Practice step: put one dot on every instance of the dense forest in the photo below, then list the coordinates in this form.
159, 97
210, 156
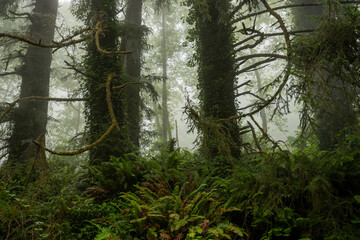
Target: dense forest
180, 119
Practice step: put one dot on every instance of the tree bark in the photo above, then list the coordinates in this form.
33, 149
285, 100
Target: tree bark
101, 66
30, 118
166, 130
332, 105
133, 68
217, 78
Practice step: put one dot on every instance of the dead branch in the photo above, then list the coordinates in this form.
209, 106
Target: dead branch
289, 33
8, 73
75, 34
256, 139
265, 134
288, 65
252, 66
243, 84
246, 40
249, 46
38, 98
285, 7
27, 15
77, 70
258, 55
127, 83
250, 93
42, 45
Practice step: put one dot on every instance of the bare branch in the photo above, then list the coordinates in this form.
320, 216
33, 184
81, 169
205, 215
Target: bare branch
256, 139
265, 134
77, 70
8, 73
288, 66
38, 98
250, 93
243, 84
28, 15
256, 55
42, 45
287, 6
252, 66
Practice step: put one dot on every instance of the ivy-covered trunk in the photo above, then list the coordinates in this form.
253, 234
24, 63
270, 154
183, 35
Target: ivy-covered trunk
133, 67
99, 66
30, 118
216, 78
330, 95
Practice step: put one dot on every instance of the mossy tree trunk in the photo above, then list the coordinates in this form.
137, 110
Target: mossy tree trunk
100, 66
133, 67
331, 97
30, 118
217, 76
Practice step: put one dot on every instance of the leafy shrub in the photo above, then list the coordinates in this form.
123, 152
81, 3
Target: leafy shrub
155, 212
306, 194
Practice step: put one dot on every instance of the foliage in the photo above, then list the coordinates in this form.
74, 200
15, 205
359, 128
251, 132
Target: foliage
155, 212
40, 209
306, 194
326, 66
301, 195
334, 43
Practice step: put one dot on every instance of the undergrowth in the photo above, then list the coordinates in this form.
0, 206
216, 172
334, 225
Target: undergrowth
283, 195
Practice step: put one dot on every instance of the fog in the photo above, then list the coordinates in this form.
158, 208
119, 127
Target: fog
66, 125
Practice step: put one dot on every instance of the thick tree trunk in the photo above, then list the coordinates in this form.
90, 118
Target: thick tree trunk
166, 130
217, 79
30, 118
101, 66
332, 106
133, 68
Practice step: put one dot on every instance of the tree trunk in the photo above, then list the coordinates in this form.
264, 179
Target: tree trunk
263, 111
217, 79
101, 66
166, 130
30, 118
332, 105
133, 68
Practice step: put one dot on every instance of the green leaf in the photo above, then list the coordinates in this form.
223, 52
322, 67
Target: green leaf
44, 235
357, 198
105, 234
